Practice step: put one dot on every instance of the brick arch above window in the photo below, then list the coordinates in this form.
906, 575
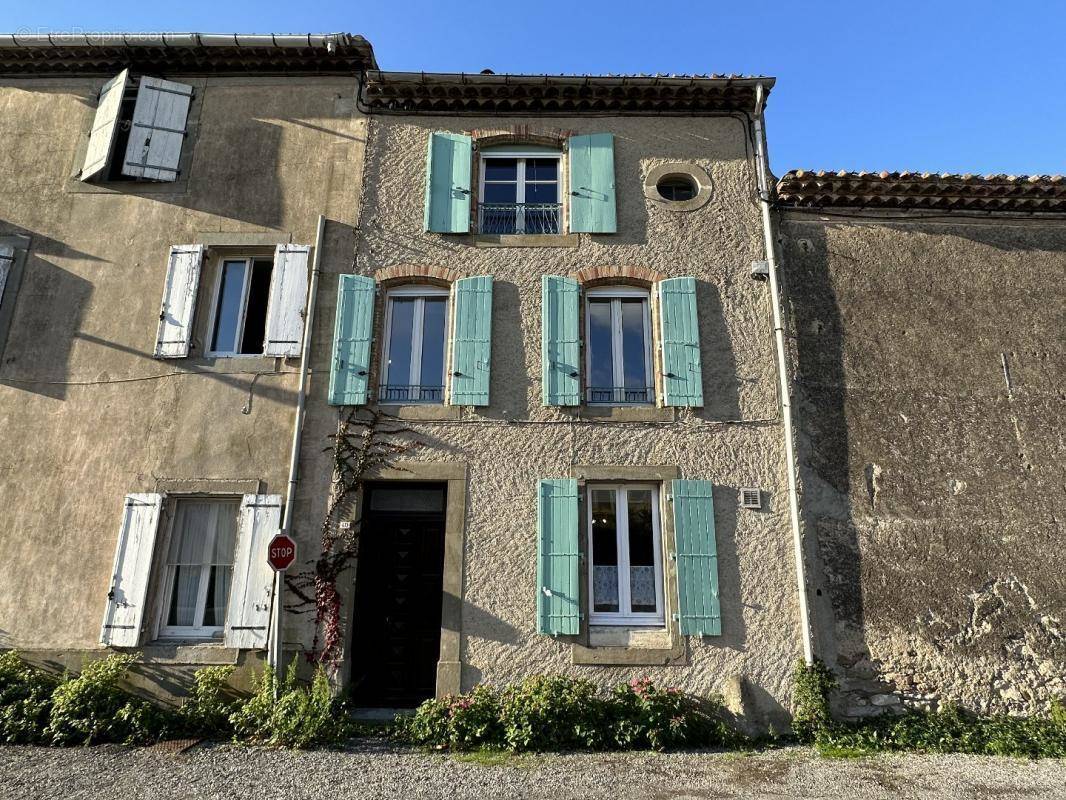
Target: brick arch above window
632, 276
519, 134
416, 273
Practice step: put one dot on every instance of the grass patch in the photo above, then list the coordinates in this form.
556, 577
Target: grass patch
494, 758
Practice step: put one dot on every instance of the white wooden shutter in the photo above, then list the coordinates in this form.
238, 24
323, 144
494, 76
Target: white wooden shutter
248, 613
288, 296
124, 612
158, 130
105, 124
7, 259
179, 301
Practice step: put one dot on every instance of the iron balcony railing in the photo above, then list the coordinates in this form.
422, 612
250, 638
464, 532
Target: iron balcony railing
403, 393
504, 218
620, 394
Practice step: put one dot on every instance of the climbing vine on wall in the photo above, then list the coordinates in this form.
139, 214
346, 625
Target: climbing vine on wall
366, 441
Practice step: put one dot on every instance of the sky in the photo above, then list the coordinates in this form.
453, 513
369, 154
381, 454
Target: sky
921, 85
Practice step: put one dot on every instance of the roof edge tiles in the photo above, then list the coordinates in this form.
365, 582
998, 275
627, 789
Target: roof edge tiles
922, 190
48, 54
488, 93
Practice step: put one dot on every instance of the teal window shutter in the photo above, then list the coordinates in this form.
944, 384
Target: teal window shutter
448, 183
558, 557
680, 335
592, 194
349, 377
472, 341
699, 613
560, 342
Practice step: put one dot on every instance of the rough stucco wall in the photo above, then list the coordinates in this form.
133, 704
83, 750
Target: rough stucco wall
734, 441
934, 487
84, 414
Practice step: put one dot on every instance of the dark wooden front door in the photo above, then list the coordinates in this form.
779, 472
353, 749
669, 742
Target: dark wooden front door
396, 627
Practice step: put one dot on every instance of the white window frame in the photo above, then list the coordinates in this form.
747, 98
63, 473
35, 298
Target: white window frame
220, 264
212, 632
616, 294
520, 183
644, 619
419, 292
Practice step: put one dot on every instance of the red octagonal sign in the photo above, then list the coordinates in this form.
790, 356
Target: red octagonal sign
281, 552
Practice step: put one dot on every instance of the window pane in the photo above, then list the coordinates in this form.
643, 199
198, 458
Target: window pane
404, 499
183, 598
398, 370
542, 193
193, 527
601, 363
604, 551
541, 169
217, 595
228, 311
641, 550
500, 193
635, 378
255, 313
501, 169
433, 337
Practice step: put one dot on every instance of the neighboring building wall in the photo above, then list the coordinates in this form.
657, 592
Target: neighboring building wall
734, 441
930, 406
87, 414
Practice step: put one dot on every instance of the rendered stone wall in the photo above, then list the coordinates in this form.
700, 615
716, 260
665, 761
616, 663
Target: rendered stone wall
734, 441
930, 366
86, 413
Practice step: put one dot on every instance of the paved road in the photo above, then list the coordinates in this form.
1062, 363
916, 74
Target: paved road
373, 770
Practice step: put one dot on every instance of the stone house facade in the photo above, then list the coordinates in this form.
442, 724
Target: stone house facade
494, 340
159, 217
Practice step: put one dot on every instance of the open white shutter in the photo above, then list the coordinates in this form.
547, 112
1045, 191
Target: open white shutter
124, 612
7, 258
179, 301
288, 295
158, 130
105, 123
248, 613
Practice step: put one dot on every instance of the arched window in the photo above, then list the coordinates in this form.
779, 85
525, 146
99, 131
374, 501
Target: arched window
618, 368
520, 191
416, 326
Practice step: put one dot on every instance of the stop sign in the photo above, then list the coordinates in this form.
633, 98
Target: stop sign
281, 552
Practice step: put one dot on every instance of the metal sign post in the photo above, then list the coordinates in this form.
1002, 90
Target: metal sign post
281, 553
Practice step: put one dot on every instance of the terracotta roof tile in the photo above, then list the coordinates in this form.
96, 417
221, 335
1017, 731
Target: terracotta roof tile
461, 93
922, 190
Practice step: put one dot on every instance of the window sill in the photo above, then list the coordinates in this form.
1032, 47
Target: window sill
630, 646
524, 240
629, 413
188, 651
424, 411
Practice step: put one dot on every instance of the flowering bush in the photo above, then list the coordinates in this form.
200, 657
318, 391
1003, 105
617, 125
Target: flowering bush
557, 713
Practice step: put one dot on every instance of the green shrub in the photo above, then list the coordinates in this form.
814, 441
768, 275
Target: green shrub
645, 716
91, 708
25, 700
556, 713
459, 722
289, 714
207, 711
812, 685
949, 731
550, 712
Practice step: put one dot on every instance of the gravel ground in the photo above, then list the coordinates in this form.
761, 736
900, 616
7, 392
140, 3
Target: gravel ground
370, 770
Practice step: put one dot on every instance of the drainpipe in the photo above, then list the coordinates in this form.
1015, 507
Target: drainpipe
762, 168
297, 434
